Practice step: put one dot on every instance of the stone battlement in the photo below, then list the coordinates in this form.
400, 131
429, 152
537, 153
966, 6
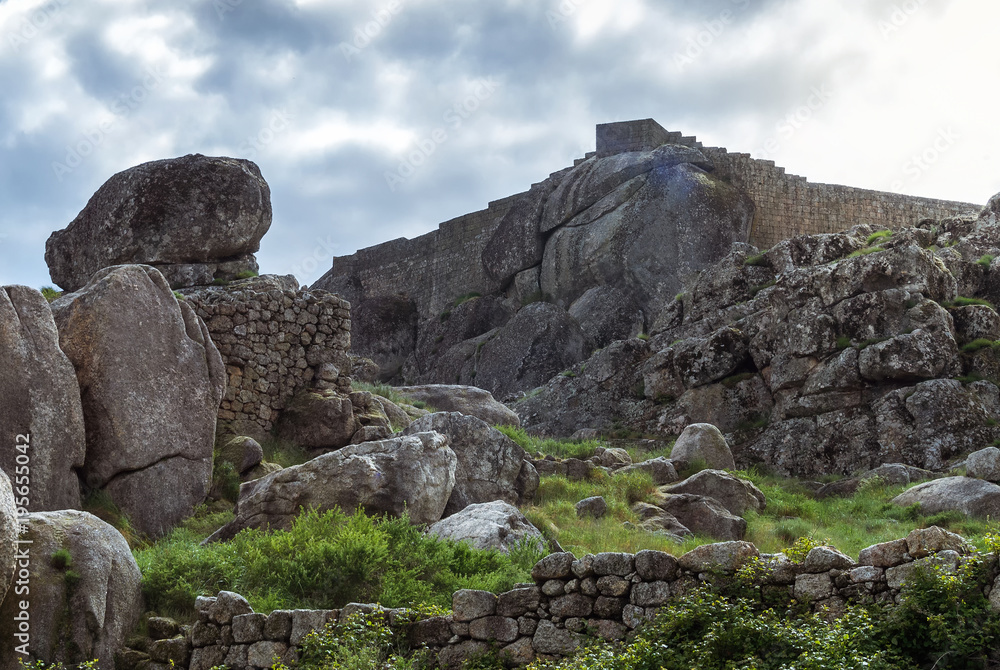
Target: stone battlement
435, 268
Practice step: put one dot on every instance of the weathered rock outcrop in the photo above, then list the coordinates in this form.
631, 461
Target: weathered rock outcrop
490, 467
412, 473
491, 525
196, 218
84, 592
973, 497
151, 381
831, 353
463, 399
40, 402
8, 534
586, 257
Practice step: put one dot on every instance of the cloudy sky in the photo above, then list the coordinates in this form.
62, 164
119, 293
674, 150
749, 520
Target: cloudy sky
377, 120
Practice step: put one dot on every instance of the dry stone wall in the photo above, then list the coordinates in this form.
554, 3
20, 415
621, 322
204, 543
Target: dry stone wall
607, 595
274, 339
436, 268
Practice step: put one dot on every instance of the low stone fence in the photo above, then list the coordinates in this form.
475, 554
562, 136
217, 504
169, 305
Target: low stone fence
605, 595
274, 339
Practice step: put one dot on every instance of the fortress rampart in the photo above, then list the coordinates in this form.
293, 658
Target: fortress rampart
438, 267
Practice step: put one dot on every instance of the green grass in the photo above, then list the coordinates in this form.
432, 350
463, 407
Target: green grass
962, 301
878, 238
247, 274
864, 252
325, 560
466, 298
283, 452
383, 390
979, 343
757, 260
757, 289
559, 448
554, 513
985, 260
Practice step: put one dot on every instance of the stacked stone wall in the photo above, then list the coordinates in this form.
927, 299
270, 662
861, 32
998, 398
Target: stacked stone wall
273, 341
607, 595
438, 267
789, 205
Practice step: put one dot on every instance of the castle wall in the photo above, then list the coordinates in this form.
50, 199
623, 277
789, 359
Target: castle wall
438, 267
789, 205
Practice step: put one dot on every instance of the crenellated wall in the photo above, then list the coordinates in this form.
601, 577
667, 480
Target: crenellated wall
442, 265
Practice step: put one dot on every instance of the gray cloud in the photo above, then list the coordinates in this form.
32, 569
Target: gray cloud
352, 115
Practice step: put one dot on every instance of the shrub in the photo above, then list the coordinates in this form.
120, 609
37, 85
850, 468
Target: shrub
985, 260
247, 274
325, 560
977, 344
864, 252
50, 293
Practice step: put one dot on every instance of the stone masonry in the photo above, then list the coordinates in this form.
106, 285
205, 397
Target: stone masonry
607, 595
275, 338
435, 269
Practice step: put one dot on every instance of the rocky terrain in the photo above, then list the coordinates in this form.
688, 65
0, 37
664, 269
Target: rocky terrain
627, 302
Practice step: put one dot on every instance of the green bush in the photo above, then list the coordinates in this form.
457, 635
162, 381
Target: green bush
247, 274
962, 301
325, 560
985, 260
50, 293
759, 260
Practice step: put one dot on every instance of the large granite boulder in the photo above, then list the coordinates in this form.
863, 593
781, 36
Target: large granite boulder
41, 418
705, 516
491, 525
735, 494
646, 235
84, 594
318, 419
8, 534
468, 400
196, 218
414, 474
541, 341
607, 314
703, 442
972, 497
489, 463
151, 381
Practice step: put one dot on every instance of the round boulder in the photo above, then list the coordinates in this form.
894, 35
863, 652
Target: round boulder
8, 534
176, 213
493, 525
84, 596
703, 442
973, 497
463, 399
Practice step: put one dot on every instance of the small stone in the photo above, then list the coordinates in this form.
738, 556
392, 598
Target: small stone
594, 507
554, 587
613, 563
469, 604
612, 585
553, 566
655, 565
494, 628
647, 594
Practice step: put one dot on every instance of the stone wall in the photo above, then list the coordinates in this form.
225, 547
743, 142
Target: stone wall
438, 267
432, 269
789, 205
607, 595
274, 339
